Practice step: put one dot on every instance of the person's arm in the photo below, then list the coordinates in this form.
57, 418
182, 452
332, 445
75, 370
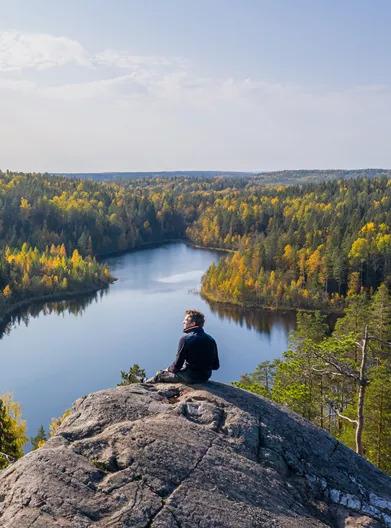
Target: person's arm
216, 362
180, 356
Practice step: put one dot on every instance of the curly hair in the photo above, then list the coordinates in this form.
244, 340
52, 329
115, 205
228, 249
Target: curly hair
197, 317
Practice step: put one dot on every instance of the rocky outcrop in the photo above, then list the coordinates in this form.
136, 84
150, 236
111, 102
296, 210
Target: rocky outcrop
174, 456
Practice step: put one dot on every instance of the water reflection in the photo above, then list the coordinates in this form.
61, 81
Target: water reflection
264, 321
73, 306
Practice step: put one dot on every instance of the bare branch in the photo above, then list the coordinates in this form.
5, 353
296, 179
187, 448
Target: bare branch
340, 367
340, 415
325, 371
321, 371
346, 417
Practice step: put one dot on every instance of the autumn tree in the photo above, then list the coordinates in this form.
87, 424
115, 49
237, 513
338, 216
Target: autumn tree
12, 431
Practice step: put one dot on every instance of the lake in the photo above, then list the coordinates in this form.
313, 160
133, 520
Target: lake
54, 353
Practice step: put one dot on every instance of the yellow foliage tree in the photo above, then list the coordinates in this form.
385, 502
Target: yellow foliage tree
7, 292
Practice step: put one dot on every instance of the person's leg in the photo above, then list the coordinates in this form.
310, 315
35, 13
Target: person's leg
165, 376
186, 376
190, 377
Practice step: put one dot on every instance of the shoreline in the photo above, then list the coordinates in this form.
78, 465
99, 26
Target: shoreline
52, 297
151, 245
281, 308
221, 250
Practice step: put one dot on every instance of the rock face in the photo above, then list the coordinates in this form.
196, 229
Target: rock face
174, 456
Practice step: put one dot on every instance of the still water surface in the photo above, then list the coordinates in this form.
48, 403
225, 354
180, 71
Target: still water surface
55, 353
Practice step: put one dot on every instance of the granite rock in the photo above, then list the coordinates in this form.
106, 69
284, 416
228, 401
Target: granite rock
177, 456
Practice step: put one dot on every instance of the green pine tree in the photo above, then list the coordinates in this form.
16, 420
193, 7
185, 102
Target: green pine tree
39, 439
135, 374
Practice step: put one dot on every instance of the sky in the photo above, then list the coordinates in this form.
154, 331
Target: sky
148, 85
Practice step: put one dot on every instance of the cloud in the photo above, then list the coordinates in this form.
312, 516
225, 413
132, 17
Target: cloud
38, 51
124, 111
125, 60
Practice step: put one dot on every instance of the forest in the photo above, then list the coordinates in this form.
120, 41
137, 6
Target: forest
340, 380
321, 247
299, 247
30, 274
303, 246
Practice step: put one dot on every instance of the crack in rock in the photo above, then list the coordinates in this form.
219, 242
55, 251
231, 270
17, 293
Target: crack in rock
168, 497
138, 456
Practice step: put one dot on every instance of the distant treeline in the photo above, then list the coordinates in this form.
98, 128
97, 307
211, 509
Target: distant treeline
123, 176
291, 177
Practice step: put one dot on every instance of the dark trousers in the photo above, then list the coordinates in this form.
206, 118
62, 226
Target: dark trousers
183, 376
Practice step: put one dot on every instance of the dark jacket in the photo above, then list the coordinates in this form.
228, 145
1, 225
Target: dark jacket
197, 352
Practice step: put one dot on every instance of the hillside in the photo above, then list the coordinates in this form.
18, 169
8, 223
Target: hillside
119, 176
320, 175
270, 177
155, 456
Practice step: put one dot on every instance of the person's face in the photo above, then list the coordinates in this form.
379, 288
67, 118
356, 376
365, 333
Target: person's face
187, 322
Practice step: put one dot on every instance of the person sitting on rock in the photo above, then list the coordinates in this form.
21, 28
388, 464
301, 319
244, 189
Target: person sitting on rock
197, 354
